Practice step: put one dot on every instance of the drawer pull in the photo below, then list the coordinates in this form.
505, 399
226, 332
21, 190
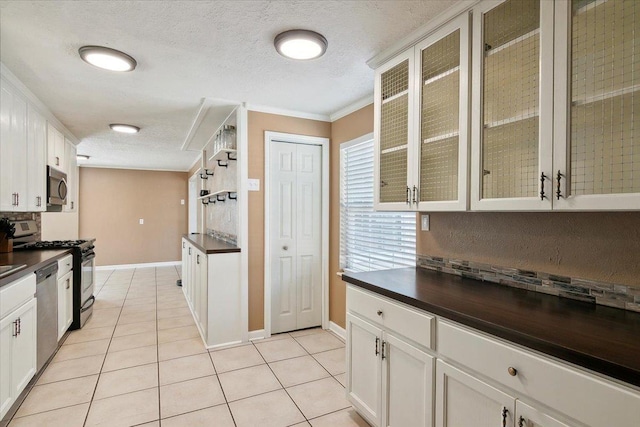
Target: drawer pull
379, 312
521, 422
383, 356
512, 371
505, 411
377, 344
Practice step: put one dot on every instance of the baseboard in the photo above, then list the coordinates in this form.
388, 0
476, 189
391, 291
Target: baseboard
145, 265
338, 330
256, 335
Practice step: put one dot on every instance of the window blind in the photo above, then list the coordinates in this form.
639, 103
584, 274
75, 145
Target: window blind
370, 240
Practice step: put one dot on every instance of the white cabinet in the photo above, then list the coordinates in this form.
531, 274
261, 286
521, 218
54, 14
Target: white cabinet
528, 416
17, 339
211, 286
71, 162
13, 149
55, 148
36, 157
461, 398
421, 124
65, 303
389, 377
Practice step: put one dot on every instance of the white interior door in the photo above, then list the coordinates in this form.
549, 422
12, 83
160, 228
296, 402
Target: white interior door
296, 243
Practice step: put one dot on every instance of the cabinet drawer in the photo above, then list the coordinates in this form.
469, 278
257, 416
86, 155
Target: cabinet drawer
17, 293
65, 265
404, 320
587, 398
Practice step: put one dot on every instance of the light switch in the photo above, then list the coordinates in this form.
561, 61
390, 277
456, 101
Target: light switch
253, 184
182, 201
424, 222
141, 221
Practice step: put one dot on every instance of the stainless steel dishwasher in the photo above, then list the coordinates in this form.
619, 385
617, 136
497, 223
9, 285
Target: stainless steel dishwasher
47, 308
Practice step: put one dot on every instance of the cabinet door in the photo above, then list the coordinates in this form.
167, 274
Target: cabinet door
597, 127
37, 161
62, 306
528, 416
408, 384
364, 368
512, 110
393, 133
184, 269
7, 331
55, 147
441, 150
202, 307
13, 150
23, 351
71, 162
462, 400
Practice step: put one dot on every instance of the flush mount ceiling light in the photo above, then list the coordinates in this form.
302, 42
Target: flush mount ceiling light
119, 127
300, 44
107, 58
82, 157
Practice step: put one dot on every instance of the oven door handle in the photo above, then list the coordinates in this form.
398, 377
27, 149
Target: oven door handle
92, 299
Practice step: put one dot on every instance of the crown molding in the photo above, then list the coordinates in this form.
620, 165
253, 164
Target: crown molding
351, 108
291, 113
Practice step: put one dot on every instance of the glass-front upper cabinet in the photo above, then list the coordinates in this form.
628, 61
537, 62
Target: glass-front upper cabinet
393, 131
441, 152
597, 120
512, 112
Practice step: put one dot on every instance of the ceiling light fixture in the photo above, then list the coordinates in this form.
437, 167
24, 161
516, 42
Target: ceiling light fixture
107, 58
119, 127
82, 157
300, 44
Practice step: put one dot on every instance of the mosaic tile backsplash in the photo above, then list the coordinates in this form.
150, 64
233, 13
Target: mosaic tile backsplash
609, 294
21, 216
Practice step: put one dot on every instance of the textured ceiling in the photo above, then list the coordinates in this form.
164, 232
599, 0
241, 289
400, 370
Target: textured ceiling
186, 51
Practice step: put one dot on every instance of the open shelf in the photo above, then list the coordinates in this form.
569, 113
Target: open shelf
215, 196
224, 154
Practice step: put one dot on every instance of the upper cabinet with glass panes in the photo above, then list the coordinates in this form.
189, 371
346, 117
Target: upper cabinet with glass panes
553, 122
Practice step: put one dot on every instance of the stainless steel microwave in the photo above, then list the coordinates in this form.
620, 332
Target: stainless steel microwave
56, 189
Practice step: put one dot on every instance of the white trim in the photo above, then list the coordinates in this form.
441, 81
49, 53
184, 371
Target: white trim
421, 33
242, 138
338, 330
296, 139
351, 108
33, 99
291, 113
202, 112
256, 335
134, 168
143, 265
195, 162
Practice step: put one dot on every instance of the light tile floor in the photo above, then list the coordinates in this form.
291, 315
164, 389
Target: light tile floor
140, 361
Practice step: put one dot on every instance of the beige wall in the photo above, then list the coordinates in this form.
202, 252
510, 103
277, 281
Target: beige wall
343, 130
591, 245
59, 226
113, 200
258, 124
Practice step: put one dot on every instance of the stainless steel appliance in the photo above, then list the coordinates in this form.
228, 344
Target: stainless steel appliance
47, 309
56, 189
83, 266
83, 274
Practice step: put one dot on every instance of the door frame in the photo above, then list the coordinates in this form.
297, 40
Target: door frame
192, 198
270, 137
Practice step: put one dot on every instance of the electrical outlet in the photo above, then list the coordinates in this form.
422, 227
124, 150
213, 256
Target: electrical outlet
253, 184
424, 222
141, 221
182, 201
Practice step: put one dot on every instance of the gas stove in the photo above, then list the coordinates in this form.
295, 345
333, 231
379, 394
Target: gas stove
56, 244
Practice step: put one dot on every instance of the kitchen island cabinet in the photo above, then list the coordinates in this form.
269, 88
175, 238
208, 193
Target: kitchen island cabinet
211, 285
547, 361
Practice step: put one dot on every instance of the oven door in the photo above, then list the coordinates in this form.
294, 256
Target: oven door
87, 279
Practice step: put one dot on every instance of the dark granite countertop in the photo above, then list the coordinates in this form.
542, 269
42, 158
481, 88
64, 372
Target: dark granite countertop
603, 339
210, 245
34, 260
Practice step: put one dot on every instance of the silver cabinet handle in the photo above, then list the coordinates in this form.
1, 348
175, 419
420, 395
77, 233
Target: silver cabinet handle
505, 411
379, 313
68, 282
57, 161
512, 371
377, 346
285, 248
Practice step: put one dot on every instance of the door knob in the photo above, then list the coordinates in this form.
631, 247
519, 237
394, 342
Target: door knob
285, 248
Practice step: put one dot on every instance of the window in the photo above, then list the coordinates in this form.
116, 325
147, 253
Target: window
370, 240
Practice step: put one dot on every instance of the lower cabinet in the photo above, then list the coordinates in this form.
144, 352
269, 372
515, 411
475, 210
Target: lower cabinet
17, 353
65, 303
211, 285
389, 381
